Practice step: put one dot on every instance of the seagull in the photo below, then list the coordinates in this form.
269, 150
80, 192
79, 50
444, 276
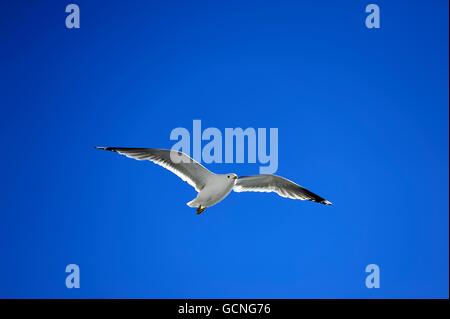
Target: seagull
213, 188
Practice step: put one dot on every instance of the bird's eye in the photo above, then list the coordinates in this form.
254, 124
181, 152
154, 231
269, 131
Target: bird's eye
228, 176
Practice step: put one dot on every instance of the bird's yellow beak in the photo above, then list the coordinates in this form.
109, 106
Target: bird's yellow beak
235, 177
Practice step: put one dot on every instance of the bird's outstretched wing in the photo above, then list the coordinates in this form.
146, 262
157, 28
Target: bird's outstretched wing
184, 167
277, 184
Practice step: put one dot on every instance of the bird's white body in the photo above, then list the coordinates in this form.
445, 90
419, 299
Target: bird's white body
217, 187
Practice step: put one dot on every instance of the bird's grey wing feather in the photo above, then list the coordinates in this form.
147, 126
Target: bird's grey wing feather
277, 184
178, 163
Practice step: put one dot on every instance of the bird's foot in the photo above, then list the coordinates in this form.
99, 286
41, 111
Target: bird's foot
200, 209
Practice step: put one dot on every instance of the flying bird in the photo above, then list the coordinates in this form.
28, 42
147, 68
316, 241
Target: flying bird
213, 188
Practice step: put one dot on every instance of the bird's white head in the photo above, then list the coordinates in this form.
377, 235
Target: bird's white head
231, 177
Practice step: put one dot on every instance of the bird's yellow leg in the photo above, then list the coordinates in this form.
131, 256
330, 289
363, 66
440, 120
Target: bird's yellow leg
200, 209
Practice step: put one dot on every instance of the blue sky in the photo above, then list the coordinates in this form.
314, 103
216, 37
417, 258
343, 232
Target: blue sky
362, 117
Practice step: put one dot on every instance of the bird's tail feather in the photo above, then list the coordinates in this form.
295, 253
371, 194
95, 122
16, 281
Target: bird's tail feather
193, 203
